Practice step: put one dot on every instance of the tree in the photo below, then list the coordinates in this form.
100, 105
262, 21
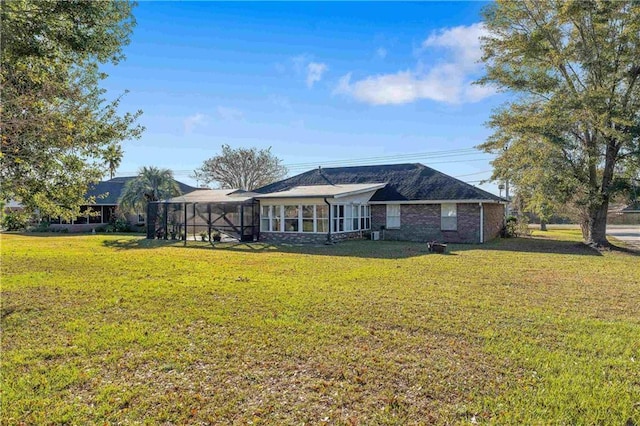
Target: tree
574, 67
55, 122
112, 158
242, 168
151, 184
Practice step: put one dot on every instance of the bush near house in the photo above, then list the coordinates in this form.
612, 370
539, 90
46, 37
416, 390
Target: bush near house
118, 329
15, 221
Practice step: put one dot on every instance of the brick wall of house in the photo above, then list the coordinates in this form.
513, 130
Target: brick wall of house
493, 220
421, 222
307, 238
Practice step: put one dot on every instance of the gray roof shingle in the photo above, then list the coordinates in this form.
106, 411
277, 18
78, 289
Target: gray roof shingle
405, 182
108, 192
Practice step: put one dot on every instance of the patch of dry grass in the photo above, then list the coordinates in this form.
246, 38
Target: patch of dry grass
122, 330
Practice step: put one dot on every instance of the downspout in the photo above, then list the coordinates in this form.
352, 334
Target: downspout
329, 233
481, 223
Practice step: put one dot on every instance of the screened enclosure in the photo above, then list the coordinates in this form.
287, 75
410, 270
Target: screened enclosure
213, 215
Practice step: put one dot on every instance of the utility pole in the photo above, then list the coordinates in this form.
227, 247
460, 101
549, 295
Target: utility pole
507, 209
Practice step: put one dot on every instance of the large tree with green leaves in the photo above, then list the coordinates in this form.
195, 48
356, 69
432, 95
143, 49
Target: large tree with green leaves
574, 67
241, 168
151, 184
56, 124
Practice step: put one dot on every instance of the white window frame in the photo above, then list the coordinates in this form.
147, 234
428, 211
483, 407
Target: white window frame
352, 213
448, 217
313, 219
394, 214
266, 217
317, 218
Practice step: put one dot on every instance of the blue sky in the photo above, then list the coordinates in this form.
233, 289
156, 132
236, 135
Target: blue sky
320, 83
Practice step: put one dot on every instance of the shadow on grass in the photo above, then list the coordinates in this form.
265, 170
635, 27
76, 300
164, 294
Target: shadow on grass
373, 249
535, 245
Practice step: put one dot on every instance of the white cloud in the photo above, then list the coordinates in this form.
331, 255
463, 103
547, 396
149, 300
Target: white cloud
314, 72
381, 52
463, 42
448, 80
193, 121
229, 114
303, 65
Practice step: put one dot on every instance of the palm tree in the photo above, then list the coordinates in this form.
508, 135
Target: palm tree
112, 158
151, 184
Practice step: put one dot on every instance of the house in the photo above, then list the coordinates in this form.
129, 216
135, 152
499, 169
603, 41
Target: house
624, 214
409, 202
106, 195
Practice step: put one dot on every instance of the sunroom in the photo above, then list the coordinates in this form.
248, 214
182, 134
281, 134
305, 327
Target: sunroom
317, 212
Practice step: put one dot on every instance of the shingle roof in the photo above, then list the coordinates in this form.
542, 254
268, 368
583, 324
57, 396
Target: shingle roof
108, 192
405, 182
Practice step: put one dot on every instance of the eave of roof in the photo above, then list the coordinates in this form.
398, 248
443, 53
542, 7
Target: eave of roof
323, 191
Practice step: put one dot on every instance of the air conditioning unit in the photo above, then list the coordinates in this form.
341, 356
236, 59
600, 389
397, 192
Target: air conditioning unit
375, 235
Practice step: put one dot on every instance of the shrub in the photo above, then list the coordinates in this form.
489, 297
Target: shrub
43, 226
515, 227
15, 221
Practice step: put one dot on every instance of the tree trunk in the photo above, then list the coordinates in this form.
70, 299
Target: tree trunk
543, 225
596, 227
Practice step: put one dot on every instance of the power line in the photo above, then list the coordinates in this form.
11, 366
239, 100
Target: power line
472, 174
462, 152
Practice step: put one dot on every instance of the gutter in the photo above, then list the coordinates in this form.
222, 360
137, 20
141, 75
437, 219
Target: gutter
481, 223
328, 233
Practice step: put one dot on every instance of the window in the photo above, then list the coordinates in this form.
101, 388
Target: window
365, 217
322, 219
108, 212
265, 218
82, 219
348, 218
308, 213
276, 221
95, 215
338, 218
291, 223
275, 218
393, 216
449, 217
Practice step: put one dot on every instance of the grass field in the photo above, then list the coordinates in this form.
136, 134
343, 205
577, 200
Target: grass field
116, 329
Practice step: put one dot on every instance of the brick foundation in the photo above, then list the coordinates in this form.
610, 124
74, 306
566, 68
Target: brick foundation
307, 238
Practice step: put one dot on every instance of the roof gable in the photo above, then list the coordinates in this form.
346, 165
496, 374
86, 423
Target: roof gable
405, 182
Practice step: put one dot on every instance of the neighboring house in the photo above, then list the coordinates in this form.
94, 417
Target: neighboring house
621, 214
106, 195
408, 202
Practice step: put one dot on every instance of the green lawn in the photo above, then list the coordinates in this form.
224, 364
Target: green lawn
116, 329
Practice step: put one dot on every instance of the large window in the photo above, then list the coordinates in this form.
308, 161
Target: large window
270, 218
96, 215
311, 218
82, 218
291, 219
308, 214
350, 213
322, 219
365, 217
393, 216
265, 218
449, 217
338, 218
